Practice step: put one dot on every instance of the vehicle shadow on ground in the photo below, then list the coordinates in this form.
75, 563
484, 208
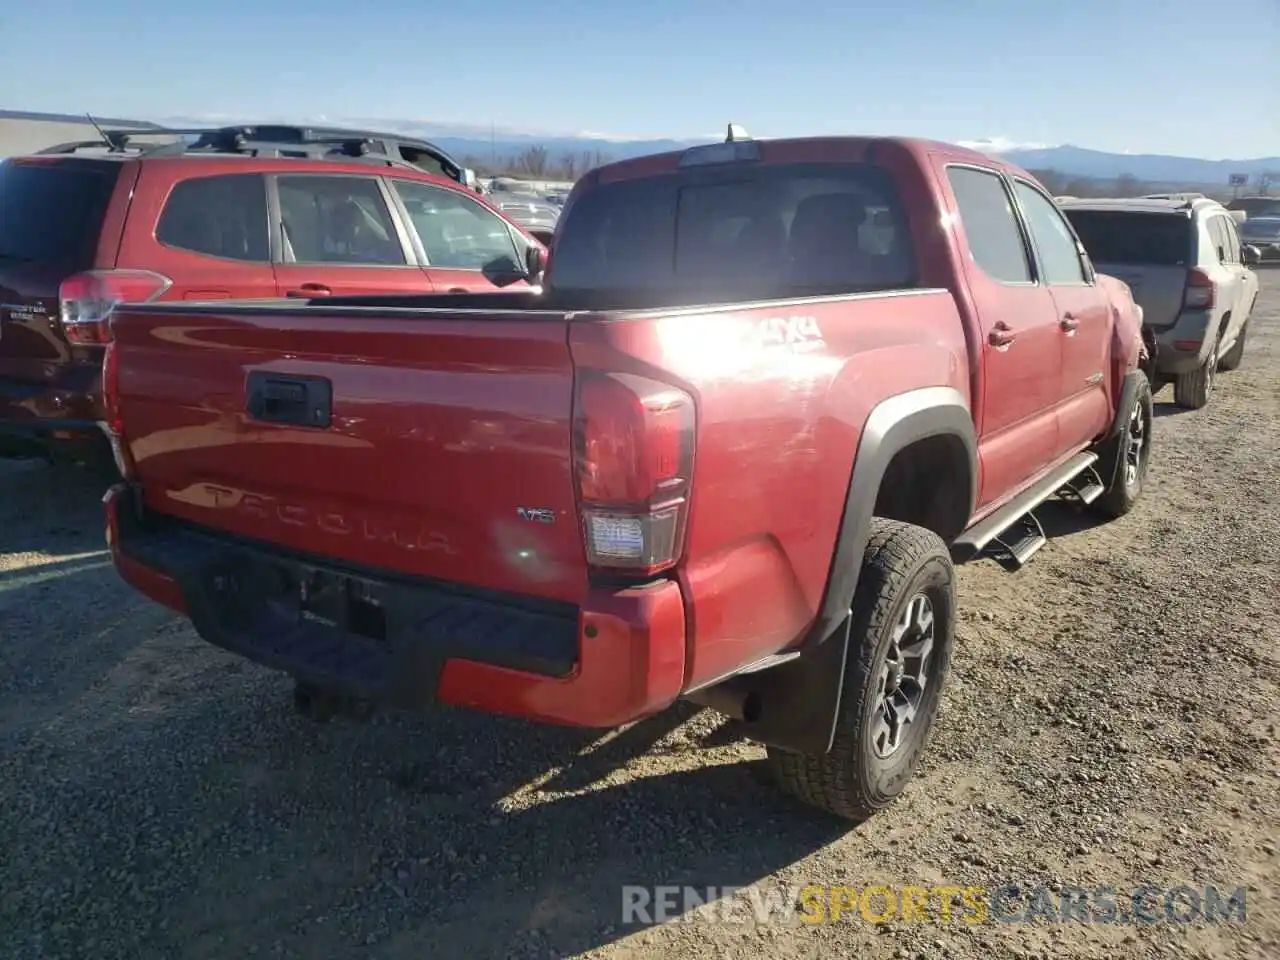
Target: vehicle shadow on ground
51, 509
1168, 409
1061, 519
444, 825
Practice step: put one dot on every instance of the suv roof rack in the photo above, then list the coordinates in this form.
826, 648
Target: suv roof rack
236, 141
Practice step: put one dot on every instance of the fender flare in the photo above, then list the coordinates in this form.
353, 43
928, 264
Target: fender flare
893, 425
1128, 389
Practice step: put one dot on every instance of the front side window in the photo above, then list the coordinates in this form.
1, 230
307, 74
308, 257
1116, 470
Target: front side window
457, 232
1059, 253
222, 216
337, 220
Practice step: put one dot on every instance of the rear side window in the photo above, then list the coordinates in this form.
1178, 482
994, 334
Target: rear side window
337, 220
1217, 239
224, 216
713, 235
53, 212
1136, 239
1232, 236
990, 224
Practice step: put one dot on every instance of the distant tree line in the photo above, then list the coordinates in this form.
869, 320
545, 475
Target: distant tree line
538, 163
1125, 185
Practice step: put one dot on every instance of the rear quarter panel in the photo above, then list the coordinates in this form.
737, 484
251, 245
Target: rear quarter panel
1127, 349
783, 392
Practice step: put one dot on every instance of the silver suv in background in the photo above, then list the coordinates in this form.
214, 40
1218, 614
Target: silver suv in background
1189, 271
1263, 233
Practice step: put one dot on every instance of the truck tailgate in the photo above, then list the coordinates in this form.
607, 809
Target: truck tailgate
436, 446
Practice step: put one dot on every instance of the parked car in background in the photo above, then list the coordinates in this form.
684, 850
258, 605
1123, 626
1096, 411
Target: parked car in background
1256, 206
1188, 269
532, 212
86, 226
1264, 233
423, 154
731, 454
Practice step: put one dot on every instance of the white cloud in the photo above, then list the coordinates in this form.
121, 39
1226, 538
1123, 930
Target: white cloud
1002, 145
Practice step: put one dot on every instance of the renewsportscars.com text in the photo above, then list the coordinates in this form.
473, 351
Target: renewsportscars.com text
973, 904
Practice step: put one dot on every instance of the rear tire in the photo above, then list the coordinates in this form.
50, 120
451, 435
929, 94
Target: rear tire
1192, 391
900, 646
1124, 459
1232, 358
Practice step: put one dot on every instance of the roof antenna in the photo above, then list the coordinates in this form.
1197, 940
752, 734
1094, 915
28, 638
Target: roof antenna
102, 133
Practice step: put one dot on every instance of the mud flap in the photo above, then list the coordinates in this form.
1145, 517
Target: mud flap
799, 701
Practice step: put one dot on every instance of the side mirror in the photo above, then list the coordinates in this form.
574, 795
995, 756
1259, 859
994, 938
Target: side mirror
1250, 255
534, 262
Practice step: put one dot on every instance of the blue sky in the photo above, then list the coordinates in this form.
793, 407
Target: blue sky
1118, 75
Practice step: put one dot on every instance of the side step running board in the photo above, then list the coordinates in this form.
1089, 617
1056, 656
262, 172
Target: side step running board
1022, 545
1020, 542
1084, 488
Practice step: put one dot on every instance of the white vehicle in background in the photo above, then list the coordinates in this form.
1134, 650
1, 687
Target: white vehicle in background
1184, 261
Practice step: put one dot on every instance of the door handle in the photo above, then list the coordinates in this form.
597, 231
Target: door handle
1068, 323
1001, 335
309, 290
458, 290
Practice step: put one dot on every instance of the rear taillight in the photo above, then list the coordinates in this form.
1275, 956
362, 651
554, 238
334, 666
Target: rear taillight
1199, 290
633, 465
87, 299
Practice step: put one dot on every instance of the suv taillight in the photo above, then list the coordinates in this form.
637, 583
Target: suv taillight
1198, 294
633, 466
86, 300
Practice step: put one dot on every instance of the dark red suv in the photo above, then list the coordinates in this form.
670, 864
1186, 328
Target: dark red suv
82, 232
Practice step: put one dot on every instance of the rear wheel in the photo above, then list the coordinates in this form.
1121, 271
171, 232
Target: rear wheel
1231, 359
1124, 459
900, 644
1191, 391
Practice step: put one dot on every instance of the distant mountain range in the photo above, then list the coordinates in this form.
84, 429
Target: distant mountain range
497, 144
482, 143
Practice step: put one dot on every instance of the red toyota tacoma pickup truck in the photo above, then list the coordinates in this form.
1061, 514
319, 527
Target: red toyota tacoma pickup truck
770, 393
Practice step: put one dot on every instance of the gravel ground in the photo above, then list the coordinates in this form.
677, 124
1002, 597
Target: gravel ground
1111, 721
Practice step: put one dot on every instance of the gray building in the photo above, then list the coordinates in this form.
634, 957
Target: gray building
22, 133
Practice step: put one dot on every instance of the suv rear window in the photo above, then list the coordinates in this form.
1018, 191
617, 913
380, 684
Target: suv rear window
52, 212
1148, 239
723, 234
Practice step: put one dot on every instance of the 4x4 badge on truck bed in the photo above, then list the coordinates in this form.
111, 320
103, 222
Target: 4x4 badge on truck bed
536, 514
796, 333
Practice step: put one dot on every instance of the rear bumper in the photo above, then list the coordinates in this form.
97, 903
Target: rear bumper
55, 417
621, 656
1174, 351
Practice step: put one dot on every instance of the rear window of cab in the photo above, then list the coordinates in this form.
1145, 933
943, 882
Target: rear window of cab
725, 233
